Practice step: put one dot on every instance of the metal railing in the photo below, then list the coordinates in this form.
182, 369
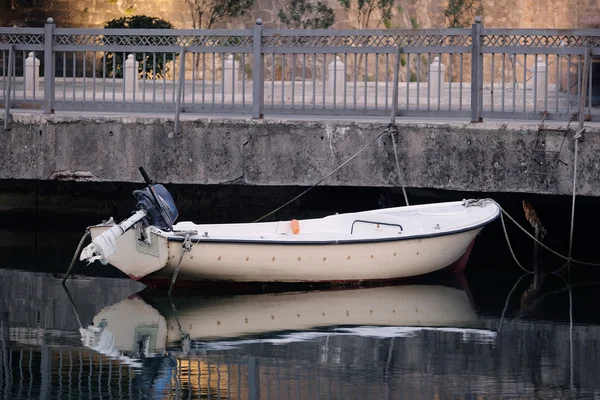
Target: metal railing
472, 73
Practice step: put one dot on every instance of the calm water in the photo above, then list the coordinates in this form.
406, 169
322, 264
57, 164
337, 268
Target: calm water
491, 333
112, 339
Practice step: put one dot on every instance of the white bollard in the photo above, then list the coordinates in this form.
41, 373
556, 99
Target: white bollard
336, 77
32, 75
230, 75
436, 77
539, 77
131, 75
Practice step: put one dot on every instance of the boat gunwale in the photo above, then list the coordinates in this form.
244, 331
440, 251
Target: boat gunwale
330, 242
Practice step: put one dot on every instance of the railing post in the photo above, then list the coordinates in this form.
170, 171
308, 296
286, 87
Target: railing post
32, 75
258, 72
476, 71
230, 75
437, 77
395, 88
177, 127
130, 75
11, 61
48, 67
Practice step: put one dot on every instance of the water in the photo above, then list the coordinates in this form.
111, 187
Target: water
488, 334
111, 338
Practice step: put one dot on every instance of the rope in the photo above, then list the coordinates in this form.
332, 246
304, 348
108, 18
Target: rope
508, 299
185, 337
185, 247
76, 255
483, 202
66, 289
510, 246
580, 130
570, 333
398, 163
390, 130
577, 136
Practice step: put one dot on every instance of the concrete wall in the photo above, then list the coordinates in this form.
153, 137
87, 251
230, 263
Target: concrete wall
454, 156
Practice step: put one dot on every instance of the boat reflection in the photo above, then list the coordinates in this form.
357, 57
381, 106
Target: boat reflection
145, 326
180, 341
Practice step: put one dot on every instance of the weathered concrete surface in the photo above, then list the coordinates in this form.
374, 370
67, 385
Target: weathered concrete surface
492, 157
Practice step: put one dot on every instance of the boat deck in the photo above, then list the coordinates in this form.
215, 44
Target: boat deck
397, 223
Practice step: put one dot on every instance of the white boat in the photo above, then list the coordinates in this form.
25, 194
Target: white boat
379, 244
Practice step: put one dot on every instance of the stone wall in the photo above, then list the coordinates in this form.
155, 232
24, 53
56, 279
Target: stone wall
425, 13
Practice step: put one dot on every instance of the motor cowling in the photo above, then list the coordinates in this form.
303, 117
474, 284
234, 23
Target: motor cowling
158, 204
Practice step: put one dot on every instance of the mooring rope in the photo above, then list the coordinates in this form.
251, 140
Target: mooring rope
580, 130
186, 246
185, 337
510, 246
398, 170
508, 299
571, 368
391, 129
76, 255
483, 202
576, 137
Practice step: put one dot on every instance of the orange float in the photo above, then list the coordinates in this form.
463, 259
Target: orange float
295, 226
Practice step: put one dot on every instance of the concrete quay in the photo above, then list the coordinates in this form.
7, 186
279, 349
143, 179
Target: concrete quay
499, 156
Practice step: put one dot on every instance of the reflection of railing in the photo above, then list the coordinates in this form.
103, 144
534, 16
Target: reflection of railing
58, 372
326, 366
443, 72
50, 372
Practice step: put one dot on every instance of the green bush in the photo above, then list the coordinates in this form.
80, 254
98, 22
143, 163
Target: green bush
152, 60
305, 14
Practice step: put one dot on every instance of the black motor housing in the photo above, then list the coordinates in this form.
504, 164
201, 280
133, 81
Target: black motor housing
159, 206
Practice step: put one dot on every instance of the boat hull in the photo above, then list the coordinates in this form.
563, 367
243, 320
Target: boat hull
271, 262
245, 262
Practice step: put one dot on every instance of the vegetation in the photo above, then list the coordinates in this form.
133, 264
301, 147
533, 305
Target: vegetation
206, 13
414, 23
114, 61
461, 13
304, 14
138, 22
369, 13
365, 10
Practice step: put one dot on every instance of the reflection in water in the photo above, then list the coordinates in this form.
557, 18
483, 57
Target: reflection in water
40, 347
217, 317
38, 308
412, 341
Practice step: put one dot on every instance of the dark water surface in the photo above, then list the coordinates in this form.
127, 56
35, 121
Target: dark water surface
491, 333
426, 339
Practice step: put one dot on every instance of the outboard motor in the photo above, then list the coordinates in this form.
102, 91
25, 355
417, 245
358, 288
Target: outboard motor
159, 206
155, 207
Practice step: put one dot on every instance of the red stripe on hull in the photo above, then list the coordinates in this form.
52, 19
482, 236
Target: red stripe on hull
460, 264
